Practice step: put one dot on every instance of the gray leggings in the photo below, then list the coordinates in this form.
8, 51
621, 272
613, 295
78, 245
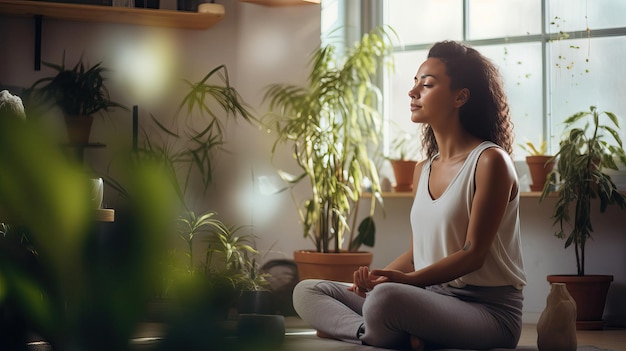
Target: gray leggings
442, 316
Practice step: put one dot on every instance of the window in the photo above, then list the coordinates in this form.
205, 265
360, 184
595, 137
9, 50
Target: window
552, 64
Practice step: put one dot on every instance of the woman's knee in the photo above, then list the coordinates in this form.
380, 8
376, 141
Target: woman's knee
383, 299
302, 290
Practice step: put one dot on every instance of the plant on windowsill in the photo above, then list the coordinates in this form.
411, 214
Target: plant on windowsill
540, 164
330, 126
584, 153
404, 156
79, 92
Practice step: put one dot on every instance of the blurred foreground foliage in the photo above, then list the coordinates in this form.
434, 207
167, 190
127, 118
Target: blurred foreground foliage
76, 285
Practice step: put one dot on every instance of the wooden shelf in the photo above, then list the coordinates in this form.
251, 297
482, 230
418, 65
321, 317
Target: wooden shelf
387, 195
208, 16
282, 2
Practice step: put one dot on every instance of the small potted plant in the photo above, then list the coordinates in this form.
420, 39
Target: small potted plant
80, 92
579, 178
403, 158
330, 126
539, 163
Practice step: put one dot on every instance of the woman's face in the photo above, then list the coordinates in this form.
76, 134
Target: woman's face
432, 100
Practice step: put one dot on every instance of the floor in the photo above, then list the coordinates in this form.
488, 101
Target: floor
300, 337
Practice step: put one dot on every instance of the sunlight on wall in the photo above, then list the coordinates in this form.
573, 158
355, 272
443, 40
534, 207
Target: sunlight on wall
268, 46
145, 66
259, 199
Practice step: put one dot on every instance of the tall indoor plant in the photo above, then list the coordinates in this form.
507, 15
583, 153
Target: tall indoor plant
583, 154
80, 92
330, 125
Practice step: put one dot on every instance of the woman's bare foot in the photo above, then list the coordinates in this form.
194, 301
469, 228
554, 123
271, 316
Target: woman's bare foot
321, 334
416, 343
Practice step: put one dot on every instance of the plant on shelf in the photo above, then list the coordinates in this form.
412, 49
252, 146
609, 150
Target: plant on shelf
579, 178
79, 92
330, 125
540, 164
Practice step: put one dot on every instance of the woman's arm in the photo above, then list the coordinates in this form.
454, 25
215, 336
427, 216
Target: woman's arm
496, 184
364, 281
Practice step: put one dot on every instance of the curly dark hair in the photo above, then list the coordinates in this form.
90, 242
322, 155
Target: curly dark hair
486, 113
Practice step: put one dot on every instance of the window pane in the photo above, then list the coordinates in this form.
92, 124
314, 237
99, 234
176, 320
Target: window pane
581, 84
423, 22
520, 67
497, 19
400, 82
574, 15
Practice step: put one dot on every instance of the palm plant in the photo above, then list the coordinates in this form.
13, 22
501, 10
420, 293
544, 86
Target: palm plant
582, 156
190, 151
77, 91
331, 124
186, 154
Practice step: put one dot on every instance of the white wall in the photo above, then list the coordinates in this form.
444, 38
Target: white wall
263, 45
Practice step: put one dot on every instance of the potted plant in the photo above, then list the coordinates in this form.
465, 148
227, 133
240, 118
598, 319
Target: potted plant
539, 163
405, 152
80, 92
186, 153
330, 125
579, 179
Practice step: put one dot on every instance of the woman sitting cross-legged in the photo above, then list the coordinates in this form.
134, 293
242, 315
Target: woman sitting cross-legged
459, 285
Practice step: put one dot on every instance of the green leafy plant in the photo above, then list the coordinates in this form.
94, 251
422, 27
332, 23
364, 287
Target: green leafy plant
583, 154
77, 91
229, 254
535, 150
330, 125
187, 152
72, 287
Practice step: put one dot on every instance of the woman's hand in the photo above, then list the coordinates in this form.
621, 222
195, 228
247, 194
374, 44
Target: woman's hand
364, 281
391, 275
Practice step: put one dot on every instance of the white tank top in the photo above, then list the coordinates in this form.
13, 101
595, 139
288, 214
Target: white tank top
440, 227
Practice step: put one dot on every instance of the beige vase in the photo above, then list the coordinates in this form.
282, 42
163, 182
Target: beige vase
556, 328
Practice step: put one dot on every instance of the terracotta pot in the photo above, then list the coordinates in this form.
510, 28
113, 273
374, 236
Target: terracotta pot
330, 266
78, 129
589, 292
540, 167
403, 172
